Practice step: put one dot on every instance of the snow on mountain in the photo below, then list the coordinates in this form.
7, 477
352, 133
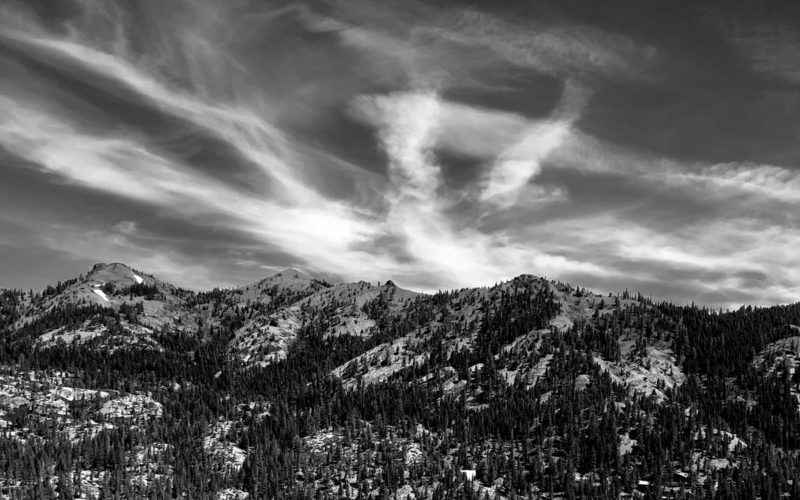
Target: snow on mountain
92, 288
149, 306
116, 273
546, 347
101, 293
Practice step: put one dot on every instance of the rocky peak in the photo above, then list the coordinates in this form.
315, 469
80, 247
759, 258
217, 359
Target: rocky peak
115, 272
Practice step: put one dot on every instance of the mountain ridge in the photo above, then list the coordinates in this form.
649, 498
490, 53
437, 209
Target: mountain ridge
506, 391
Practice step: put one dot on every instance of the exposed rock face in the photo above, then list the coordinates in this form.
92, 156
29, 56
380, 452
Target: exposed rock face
295, 385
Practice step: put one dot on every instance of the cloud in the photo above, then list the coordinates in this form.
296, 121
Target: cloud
517, 166
165, 263
546, 196
758, 183
764, 181
241, 121
410, 126
701, 261
408, 129
414, 124
771, 49
126, 168
566, 49
325, 235
752, 204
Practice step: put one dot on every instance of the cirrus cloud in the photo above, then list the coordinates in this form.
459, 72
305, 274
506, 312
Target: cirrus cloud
210, 142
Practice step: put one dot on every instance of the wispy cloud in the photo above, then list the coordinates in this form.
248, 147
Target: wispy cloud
410, 127
533, 203
566, 49
519, 164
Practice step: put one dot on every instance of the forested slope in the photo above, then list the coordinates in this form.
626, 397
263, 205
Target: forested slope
296, 388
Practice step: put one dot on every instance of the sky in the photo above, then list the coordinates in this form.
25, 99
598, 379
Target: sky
644, 145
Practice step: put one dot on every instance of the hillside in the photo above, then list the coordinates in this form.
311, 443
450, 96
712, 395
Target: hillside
118, 383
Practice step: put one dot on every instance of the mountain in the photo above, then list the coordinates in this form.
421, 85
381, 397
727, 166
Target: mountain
342, 309
109, 307
118, 384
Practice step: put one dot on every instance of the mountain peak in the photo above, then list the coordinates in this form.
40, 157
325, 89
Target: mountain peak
624, 357
288, 278
291, 272
114, 272
113, 265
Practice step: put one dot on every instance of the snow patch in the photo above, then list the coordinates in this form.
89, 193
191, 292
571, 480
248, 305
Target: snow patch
101, 293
